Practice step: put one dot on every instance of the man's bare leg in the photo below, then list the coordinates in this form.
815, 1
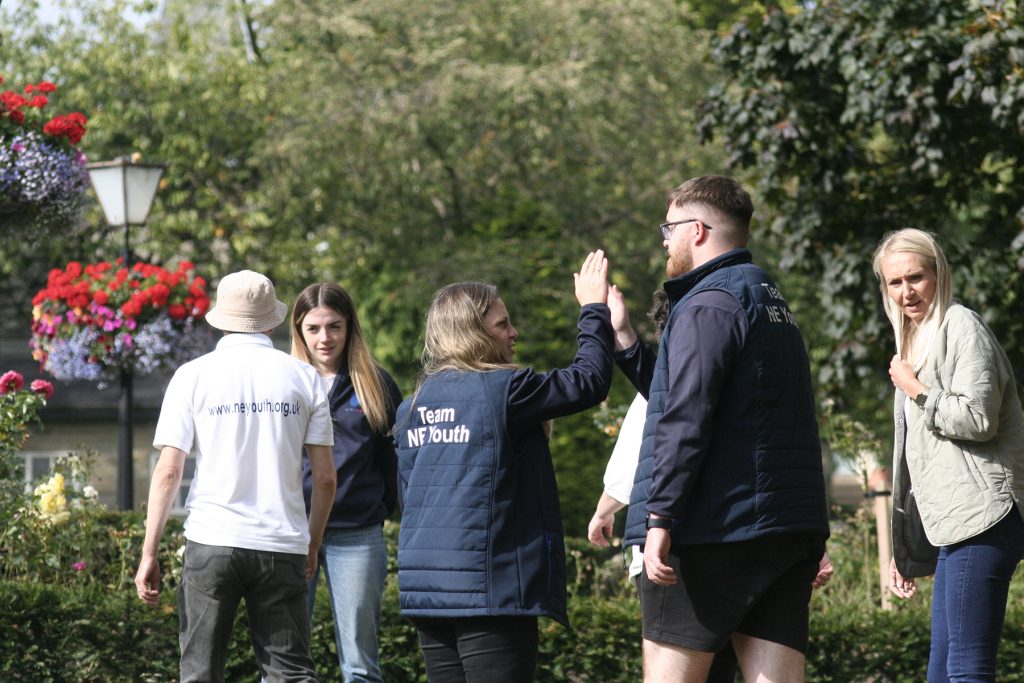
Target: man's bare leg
763, 661
665, 663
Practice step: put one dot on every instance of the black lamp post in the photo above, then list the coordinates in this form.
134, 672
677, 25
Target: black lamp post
125, 190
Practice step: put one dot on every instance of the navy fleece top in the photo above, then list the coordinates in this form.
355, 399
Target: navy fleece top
365, 460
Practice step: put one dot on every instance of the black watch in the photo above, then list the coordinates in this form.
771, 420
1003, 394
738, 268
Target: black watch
659, 522
921, 398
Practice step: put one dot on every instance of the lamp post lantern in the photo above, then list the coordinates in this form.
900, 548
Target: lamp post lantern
125, 190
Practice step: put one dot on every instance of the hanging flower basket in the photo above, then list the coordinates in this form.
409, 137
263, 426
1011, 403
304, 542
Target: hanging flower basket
92, 321
42, 172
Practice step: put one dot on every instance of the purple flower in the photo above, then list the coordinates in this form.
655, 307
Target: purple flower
37, 172
68, 357
92, 353
78, 566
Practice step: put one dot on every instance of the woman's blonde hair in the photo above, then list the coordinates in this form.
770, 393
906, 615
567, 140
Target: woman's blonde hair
456, 337
911, 339
363, 369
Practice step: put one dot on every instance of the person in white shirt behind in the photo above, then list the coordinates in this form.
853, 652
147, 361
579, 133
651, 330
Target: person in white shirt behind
246, 409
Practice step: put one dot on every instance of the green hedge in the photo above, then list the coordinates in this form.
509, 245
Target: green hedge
89, 630
52, 633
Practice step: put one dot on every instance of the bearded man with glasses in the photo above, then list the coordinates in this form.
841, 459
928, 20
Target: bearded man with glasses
729, 497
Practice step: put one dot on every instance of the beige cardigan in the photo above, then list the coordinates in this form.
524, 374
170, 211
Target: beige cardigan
965, 447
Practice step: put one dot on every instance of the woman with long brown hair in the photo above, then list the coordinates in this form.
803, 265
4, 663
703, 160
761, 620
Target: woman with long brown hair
363, 397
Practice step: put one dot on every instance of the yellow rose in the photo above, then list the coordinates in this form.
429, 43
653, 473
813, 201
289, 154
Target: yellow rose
51, 496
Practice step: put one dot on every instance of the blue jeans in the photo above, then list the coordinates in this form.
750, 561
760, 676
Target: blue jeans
355, 562
972, 580
214, 580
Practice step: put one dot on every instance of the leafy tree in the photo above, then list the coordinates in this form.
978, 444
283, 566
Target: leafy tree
187, 99
859, 117
481, 140
393, 147
722, 15
477, 139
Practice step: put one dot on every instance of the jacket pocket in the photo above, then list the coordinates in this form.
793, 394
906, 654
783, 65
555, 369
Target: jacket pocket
208, 568
555, 552
549, 547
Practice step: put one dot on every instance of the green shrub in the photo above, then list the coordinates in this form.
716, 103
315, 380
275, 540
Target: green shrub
60, 625
57, 633
88, 633
603, 645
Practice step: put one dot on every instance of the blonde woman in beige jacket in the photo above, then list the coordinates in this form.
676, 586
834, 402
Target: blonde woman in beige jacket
958, 461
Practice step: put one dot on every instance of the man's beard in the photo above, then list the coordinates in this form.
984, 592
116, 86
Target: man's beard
679, 263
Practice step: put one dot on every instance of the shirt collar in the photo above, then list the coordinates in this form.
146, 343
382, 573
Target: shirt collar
244, 339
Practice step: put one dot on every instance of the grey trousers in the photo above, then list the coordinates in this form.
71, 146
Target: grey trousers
215, 579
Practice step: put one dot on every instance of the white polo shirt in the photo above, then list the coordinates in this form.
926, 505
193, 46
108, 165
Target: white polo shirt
248, 409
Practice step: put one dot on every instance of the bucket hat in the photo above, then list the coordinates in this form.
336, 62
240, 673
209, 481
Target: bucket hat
246, 302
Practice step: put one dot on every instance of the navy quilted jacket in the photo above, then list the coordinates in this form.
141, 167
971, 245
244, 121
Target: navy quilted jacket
760, 471
481, 527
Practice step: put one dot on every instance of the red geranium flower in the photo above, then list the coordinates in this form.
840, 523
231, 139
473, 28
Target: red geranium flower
200, 307
71, 126
108, 305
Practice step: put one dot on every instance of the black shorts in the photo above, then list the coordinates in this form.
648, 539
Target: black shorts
760, 588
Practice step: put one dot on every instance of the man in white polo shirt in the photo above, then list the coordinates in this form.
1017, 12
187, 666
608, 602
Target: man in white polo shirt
247, 409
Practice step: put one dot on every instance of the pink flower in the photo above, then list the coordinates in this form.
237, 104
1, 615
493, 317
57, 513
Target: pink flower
78, 566
11, 381
41, 386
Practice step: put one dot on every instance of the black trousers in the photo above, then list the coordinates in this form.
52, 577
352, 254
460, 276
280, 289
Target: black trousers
479, 649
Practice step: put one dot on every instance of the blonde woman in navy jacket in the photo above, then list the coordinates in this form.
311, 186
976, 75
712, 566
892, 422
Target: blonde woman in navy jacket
363, 397
480, 551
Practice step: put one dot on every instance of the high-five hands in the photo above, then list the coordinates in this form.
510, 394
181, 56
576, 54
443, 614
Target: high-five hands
625, 337
592, 280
